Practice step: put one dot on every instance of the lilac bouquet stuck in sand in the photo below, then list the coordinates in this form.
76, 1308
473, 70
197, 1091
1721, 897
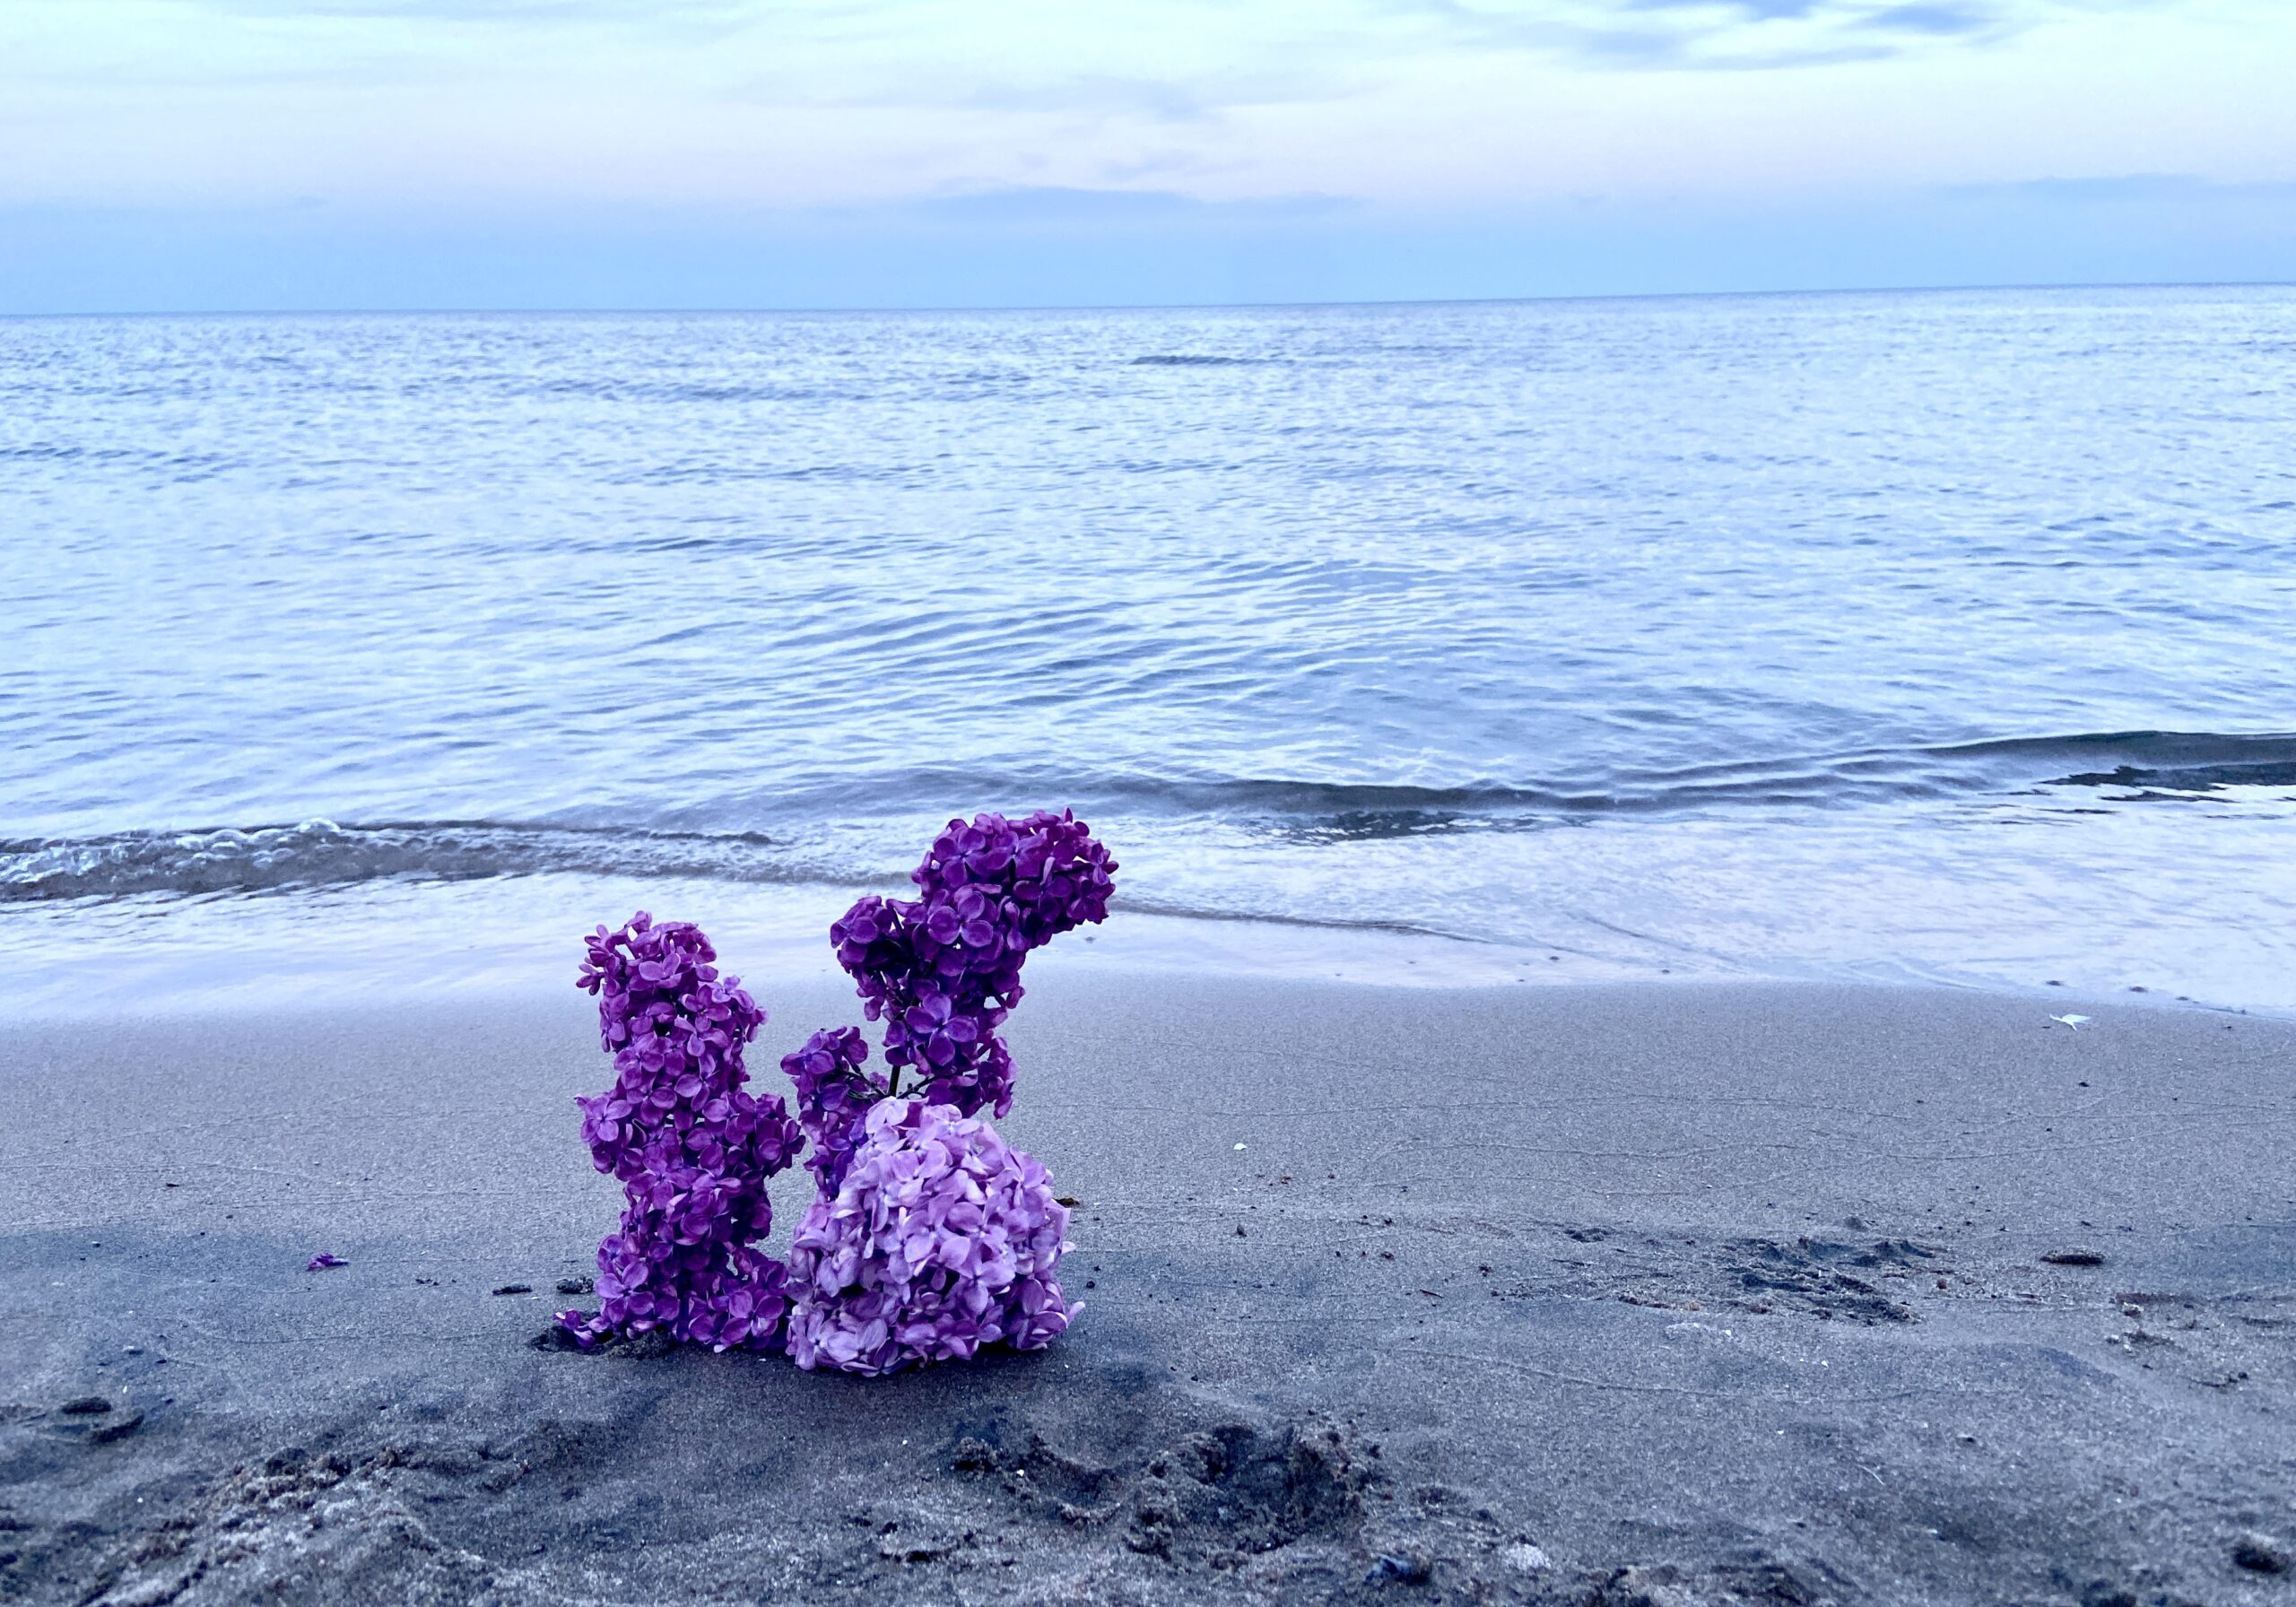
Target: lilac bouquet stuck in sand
929, 1236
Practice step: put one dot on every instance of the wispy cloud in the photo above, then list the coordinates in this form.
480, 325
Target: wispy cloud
440, 105
1939, 20
1161, 101
1682, 32
1757, 11
2132, 189
490, 11
1064, 207
1739, 35
1171, 99
1179, 61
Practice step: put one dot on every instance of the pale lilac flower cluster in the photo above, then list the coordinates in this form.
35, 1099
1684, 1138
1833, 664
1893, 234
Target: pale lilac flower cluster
942, 971
940, 1239
690, 1146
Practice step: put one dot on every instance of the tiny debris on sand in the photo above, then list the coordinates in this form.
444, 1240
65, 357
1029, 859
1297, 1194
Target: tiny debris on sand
1400, 1568
2260, 1554
1525, 1557
115, 1428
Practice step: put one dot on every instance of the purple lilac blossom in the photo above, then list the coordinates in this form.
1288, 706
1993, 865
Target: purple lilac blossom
690, 1146
833, 1094
930, 1238
943, 970
939, 1239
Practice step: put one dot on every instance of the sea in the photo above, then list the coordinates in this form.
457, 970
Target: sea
1927, 636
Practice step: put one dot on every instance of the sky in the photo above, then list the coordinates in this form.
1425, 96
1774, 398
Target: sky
164, 155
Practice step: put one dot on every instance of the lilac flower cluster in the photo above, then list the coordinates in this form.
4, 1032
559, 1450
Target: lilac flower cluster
833, 1094
928, 1237
690, 1146
940, 1239
942, 971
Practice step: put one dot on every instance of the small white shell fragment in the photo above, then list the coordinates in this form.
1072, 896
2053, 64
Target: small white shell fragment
1525, 1557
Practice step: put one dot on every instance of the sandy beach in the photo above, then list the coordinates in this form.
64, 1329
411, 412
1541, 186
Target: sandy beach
1636, 1293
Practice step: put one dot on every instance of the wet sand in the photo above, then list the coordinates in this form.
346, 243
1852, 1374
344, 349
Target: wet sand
1602, 1294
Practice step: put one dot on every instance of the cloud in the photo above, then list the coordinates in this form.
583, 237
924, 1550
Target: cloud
1166, 100
1754, 11
1157, 100
1053, 206
1653, 49
1739, 35
1685, 33
2129, 188
1936, 18
488, 10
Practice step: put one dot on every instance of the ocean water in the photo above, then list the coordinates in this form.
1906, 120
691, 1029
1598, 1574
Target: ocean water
1934, 635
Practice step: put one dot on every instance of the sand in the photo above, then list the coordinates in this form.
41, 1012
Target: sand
1639, 1293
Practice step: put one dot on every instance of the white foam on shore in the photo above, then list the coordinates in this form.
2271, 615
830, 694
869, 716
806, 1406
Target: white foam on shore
378, 942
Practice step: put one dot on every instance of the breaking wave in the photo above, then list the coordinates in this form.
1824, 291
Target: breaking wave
2107, 766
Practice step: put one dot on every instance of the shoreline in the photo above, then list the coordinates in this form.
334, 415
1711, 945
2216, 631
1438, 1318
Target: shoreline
1595, 1293
403, 944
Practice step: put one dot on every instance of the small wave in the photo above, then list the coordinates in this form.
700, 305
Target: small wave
2143, 766
2169, 762
1186, 910
322, 854
2193, 778
619, 388
1192, 360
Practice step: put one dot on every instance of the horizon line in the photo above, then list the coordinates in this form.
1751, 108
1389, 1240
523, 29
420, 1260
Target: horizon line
1110, 307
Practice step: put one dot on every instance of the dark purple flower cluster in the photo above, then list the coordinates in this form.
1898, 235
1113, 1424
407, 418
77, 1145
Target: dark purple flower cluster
690, 1146
833, 1094
943, 970
941, 1239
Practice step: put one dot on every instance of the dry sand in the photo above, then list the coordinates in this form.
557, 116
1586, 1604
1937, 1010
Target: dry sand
1663, 1294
